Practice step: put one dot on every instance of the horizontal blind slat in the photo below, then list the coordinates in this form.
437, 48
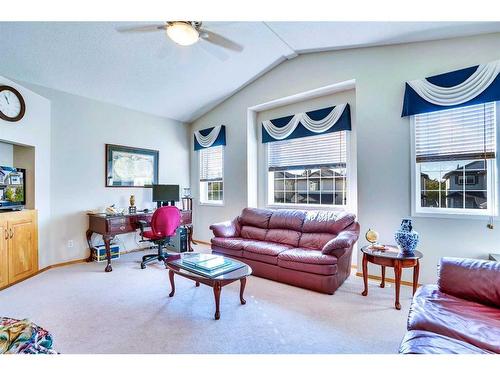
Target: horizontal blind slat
211, 163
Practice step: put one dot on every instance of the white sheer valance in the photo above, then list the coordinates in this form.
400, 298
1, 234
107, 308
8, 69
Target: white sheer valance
315, 126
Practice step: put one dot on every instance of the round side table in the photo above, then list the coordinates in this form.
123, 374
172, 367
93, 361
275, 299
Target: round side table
390, 257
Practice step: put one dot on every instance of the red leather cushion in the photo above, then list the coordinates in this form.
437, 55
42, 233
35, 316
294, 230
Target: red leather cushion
307, 256
327, 221
472, 279
266, 248
253, 233
315, 241
285, 236
255, 217
228, 243
434, 311
320, 269
425, 342
287, 219
226, 251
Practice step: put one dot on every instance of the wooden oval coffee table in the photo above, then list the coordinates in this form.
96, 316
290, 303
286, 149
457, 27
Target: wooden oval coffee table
216, 283
390, 258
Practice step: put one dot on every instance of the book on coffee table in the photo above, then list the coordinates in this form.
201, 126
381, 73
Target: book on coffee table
221, 267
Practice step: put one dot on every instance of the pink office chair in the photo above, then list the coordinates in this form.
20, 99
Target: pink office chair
164, 223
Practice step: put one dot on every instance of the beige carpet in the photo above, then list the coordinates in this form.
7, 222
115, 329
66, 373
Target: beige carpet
129, 311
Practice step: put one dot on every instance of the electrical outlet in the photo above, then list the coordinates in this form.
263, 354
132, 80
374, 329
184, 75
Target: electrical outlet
70, 244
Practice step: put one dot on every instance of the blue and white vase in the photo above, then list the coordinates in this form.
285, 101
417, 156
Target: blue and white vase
406, 238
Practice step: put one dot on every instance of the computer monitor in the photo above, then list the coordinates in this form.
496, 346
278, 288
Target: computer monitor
162, 194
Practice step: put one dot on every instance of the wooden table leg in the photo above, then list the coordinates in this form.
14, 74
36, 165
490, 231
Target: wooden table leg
107, 244
243, 282
88, 234
397, 273
217, 290
172, 284
365, 275
197, 284
382, 284
416, 271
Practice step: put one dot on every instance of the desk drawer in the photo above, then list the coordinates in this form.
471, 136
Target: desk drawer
186, 217
120, 224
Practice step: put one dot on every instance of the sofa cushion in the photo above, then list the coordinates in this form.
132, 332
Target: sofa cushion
235, 243
315, 241
425, 342
319, 269
255, 217
262, 251
475, 323
253, 233
284, 236
472, 279
327, 221
225, 251
287, 219
308, 256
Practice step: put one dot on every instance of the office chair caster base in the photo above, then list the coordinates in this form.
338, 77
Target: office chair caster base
143, 266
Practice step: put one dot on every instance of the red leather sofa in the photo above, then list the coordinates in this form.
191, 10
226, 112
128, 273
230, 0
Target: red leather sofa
309, 249
460, 315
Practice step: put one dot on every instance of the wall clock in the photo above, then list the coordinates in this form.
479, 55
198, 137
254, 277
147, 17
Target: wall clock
12, 105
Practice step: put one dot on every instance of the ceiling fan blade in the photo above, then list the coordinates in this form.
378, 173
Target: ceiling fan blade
141, 29
219, 40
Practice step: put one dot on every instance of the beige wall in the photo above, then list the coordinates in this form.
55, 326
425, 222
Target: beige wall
383, 138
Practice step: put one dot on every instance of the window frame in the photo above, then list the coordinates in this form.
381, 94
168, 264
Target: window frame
452, 213
269, 184
203, 185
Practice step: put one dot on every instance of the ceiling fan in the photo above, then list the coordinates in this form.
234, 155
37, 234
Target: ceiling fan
186, 33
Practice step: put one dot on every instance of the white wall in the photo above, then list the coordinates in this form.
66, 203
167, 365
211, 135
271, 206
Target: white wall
80, 129
383, 138
34, 130
6, 154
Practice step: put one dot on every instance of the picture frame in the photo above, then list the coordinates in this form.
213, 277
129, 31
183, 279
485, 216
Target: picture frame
131, 166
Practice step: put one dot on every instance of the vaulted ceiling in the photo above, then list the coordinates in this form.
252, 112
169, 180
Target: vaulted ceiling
149, 73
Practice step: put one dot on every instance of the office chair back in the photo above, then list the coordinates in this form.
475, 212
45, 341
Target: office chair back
165, 221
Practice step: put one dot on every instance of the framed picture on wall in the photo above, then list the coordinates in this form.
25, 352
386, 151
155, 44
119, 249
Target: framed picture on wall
131, 166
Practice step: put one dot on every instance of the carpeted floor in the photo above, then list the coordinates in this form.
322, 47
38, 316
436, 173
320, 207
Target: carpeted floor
129, 311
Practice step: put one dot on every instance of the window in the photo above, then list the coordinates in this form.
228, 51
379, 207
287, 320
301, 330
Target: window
308, 171
211, 175
455, 160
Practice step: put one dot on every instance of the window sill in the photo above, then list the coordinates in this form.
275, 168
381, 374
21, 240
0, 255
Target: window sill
452, 216
308, 207
213, 204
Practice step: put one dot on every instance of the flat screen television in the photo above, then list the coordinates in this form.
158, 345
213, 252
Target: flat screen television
165, 193
12, 188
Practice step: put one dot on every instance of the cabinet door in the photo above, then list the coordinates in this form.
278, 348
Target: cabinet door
22, 248
4, 263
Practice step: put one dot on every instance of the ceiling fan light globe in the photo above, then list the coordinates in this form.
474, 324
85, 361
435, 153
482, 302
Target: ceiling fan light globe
183, 33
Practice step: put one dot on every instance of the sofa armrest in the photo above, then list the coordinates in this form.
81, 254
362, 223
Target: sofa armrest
226, 228
345, 240
472, 279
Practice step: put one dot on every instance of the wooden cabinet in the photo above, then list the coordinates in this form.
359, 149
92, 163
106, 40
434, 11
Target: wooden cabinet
18, 246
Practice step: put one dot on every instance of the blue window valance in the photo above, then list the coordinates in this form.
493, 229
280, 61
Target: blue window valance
305, 124
474, 85
210, 137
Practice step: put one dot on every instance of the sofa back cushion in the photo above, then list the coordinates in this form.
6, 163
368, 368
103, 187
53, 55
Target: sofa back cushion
472, 279
315, 241
331, 222
253, 233
287, 219
284, 236
255, 217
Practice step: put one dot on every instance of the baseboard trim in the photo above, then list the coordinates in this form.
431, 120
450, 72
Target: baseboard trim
387, 279
200, 241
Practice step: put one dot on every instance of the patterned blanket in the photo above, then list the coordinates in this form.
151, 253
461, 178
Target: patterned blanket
24, 337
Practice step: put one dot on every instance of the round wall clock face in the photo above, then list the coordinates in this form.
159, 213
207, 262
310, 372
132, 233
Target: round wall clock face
12, 106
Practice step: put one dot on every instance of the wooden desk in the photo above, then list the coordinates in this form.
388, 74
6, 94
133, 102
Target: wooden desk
110, 226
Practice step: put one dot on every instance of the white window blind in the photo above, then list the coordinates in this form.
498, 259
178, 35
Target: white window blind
308, 152
456, 134
211, 163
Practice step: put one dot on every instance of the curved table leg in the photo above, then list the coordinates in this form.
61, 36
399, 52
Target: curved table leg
217, 289
172, 284
382, 283
365, 275
107, 244
88, 234
397, 273
243, 282
416, 270
197, 284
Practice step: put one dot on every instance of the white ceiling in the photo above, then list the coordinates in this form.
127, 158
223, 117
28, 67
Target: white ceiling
149, 73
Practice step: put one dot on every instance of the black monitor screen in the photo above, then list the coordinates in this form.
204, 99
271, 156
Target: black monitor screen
165, 193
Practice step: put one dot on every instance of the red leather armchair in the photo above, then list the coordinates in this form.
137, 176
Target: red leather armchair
460, 315
310, 249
